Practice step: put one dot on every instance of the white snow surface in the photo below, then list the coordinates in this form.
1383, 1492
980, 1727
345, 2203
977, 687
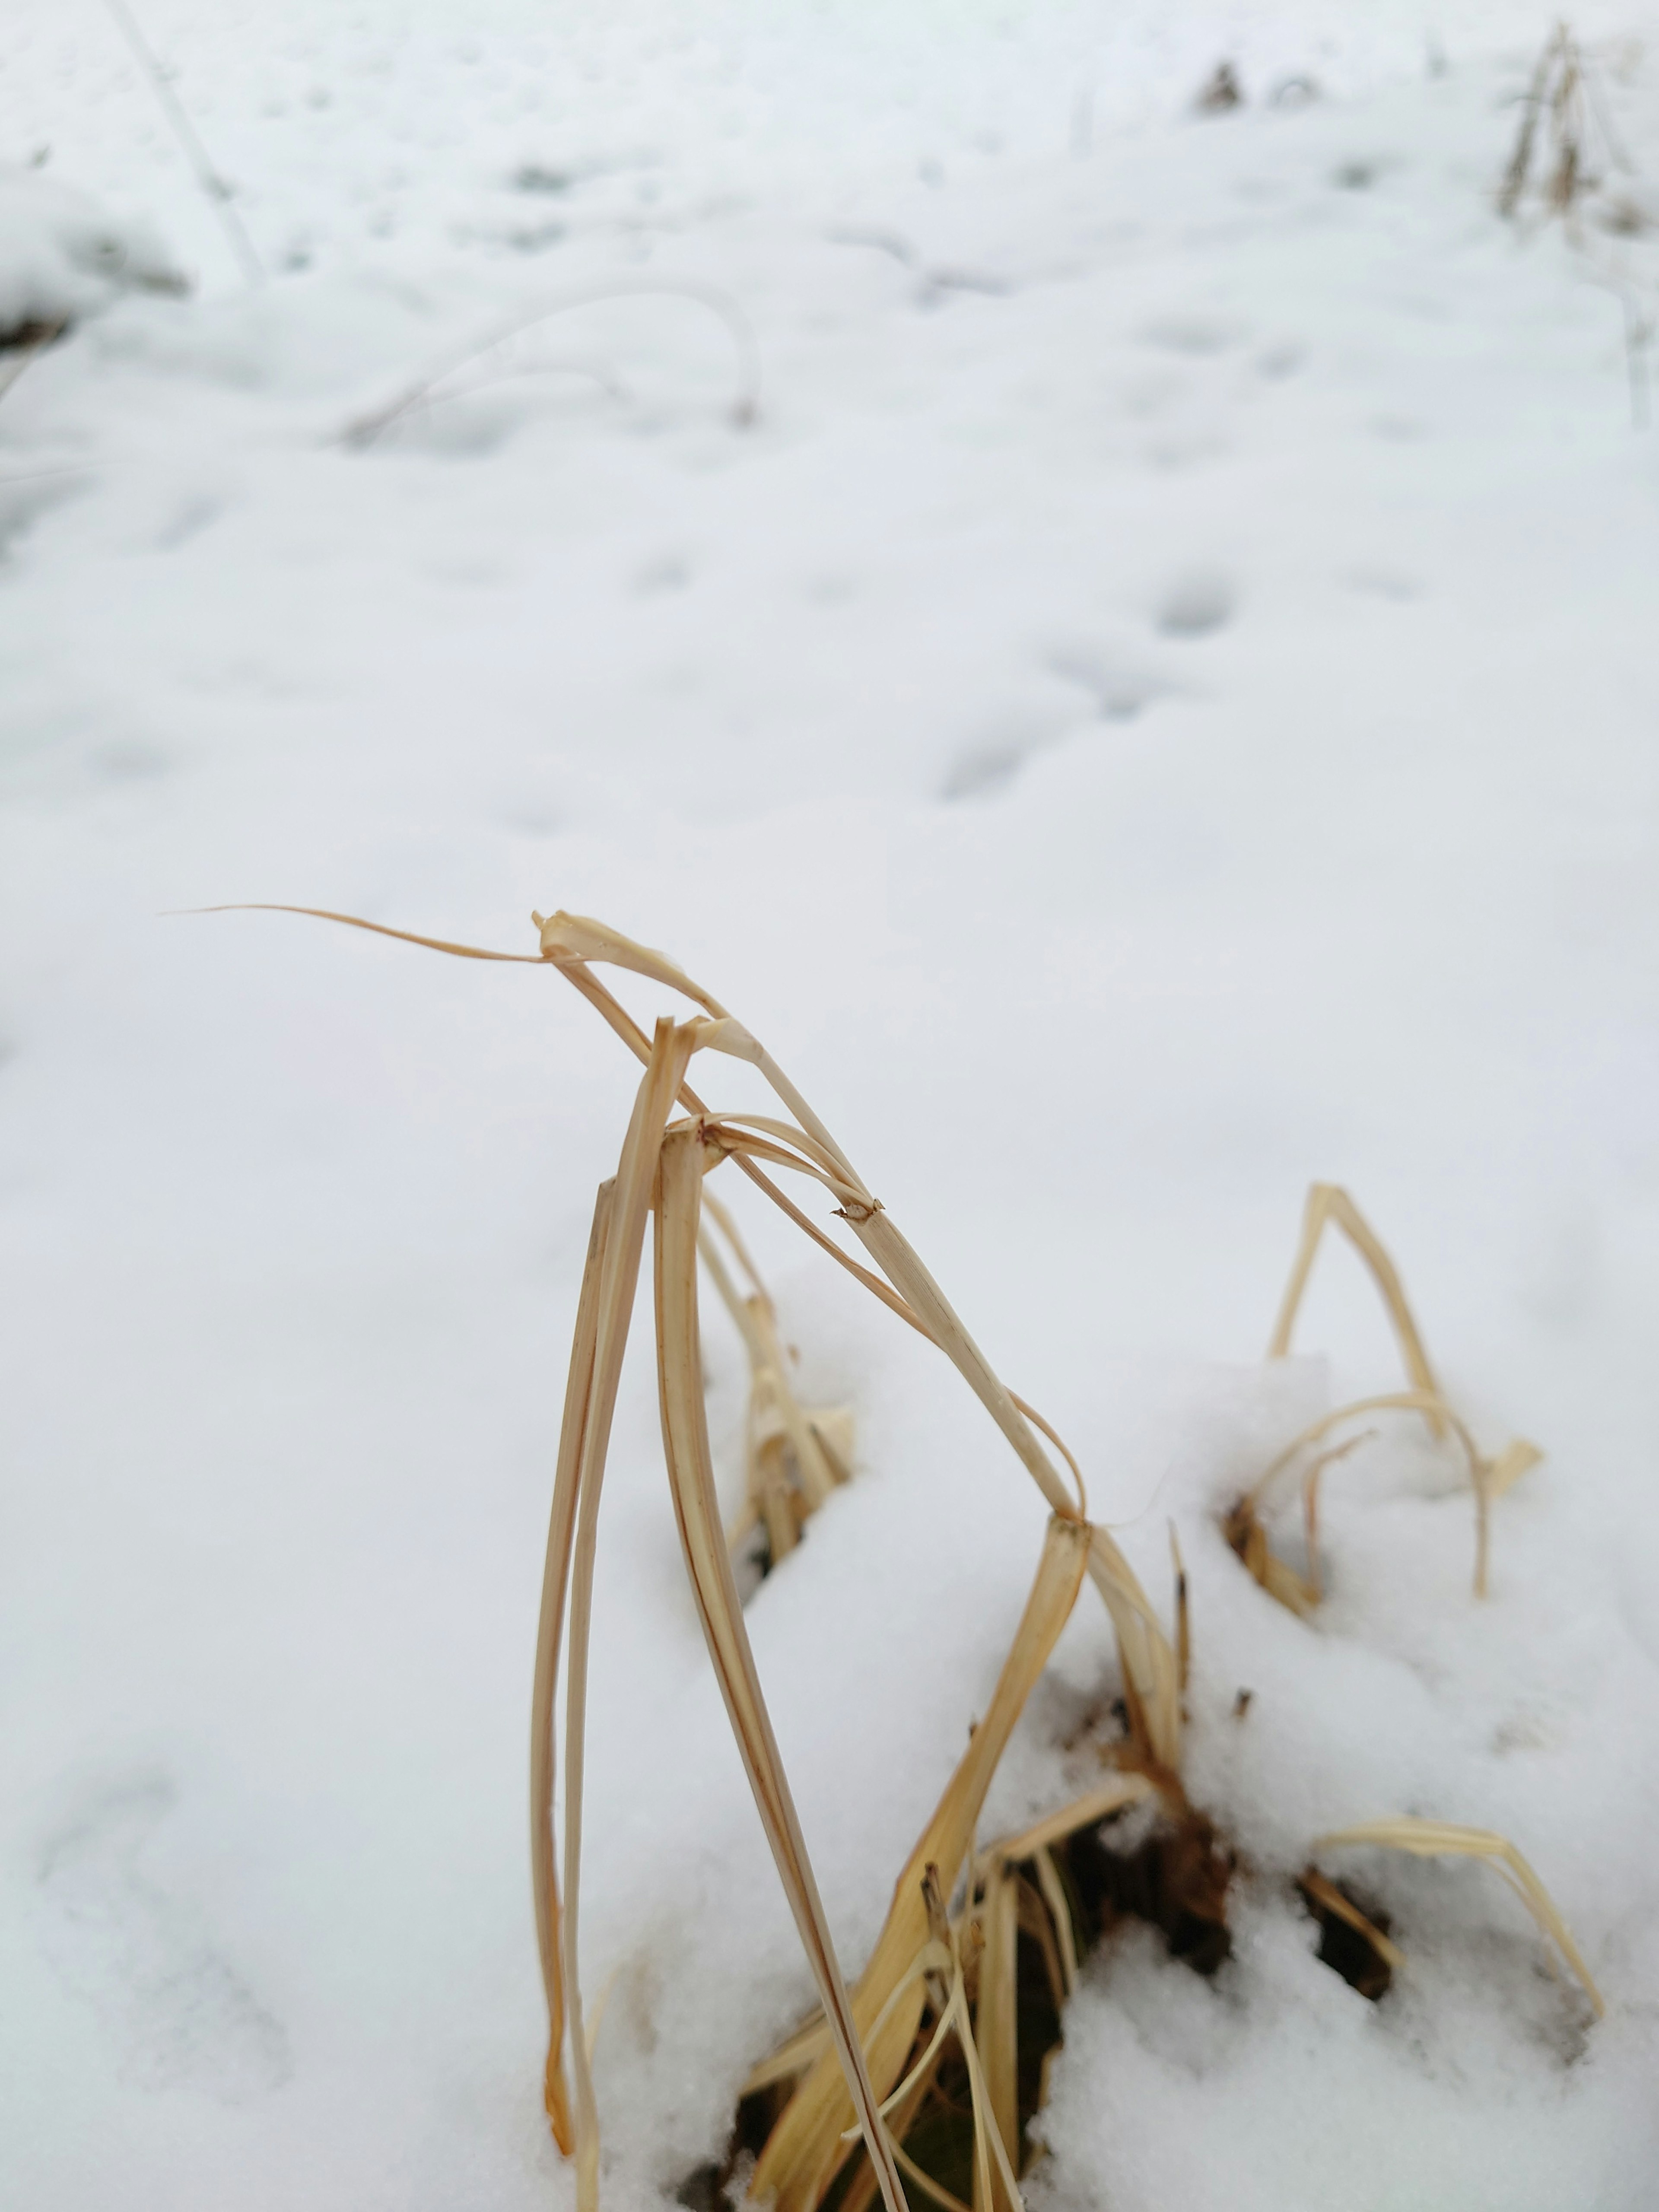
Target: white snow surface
1157, 707
63, 256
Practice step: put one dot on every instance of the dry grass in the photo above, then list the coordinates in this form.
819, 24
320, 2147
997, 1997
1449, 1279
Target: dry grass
1569, 166
490, 354
1439, 1839
1490, 1478
846, 2102
795, 1456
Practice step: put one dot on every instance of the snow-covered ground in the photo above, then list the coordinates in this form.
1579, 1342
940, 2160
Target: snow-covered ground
1159, 705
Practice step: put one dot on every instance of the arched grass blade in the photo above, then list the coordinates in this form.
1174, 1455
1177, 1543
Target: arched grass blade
1440, 1839
691, 1477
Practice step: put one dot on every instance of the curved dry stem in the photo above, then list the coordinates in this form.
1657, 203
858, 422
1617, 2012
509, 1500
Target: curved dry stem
1438, 1838
1440, 1417
619, 1269
1328, 1202
368, 427
691, 1478
569, 943
790, 1468
1152, 1672
560, 1537
1085, 1812
739, 1143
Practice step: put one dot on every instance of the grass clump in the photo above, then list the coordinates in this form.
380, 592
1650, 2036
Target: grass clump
1490, 1478
926, 2069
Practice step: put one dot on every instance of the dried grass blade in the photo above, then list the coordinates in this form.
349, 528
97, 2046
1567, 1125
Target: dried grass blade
685, 1441
804, 2047
1329, 1202
561, 1536
1440, 1418
580, 939
576, 973
618, 1280
577, 937
1083, 1811
1034, 1913
818, 1477
990, 2152
905, 1271
1151, 1683
996, 2011
1436, 1838
744, 1144
1510, 1464
801, 2154
720, 1215
774, 1412
374, 929
1327, 1893
1059, 1912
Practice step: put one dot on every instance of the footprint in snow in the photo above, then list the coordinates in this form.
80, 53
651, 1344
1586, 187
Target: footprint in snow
178, 2013
1196, 603
1193, 334
999, 755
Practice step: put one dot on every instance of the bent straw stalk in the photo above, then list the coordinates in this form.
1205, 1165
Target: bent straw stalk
671, 1048
691, 1478
1325, 1893
560, 1535
1488, 1478
846, 2063
862, 2041
1440, 1839
1327, 1202
793, 1457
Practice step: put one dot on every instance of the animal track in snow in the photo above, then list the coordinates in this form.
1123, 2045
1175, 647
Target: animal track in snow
1195, 603
993, 762
180, 2015
1193, 334
997, 756
1118, 693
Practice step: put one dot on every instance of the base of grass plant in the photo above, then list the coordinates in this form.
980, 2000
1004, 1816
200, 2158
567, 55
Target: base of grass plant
1048, 1907
1568, 165
932, 2064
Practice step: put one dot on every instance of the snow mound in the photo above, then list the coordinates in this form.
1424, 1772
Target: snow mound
63, 256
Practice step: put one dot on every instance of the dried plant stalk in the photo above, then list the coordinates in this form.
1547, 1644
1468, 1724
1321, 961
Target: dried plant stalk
805, 2150
1085, 1812
1328, 1202
1520, 164
666, 1166
670, 1051
1439, 1838
795, 1456
1489, 1478
561, 1536
1152, 1672
691, 1476
847, 2062
996, 2014
1326, 1892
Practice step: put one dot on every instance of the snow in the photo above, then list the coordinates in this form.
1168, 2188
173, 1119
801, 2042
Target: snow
1158, 708
62, 257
